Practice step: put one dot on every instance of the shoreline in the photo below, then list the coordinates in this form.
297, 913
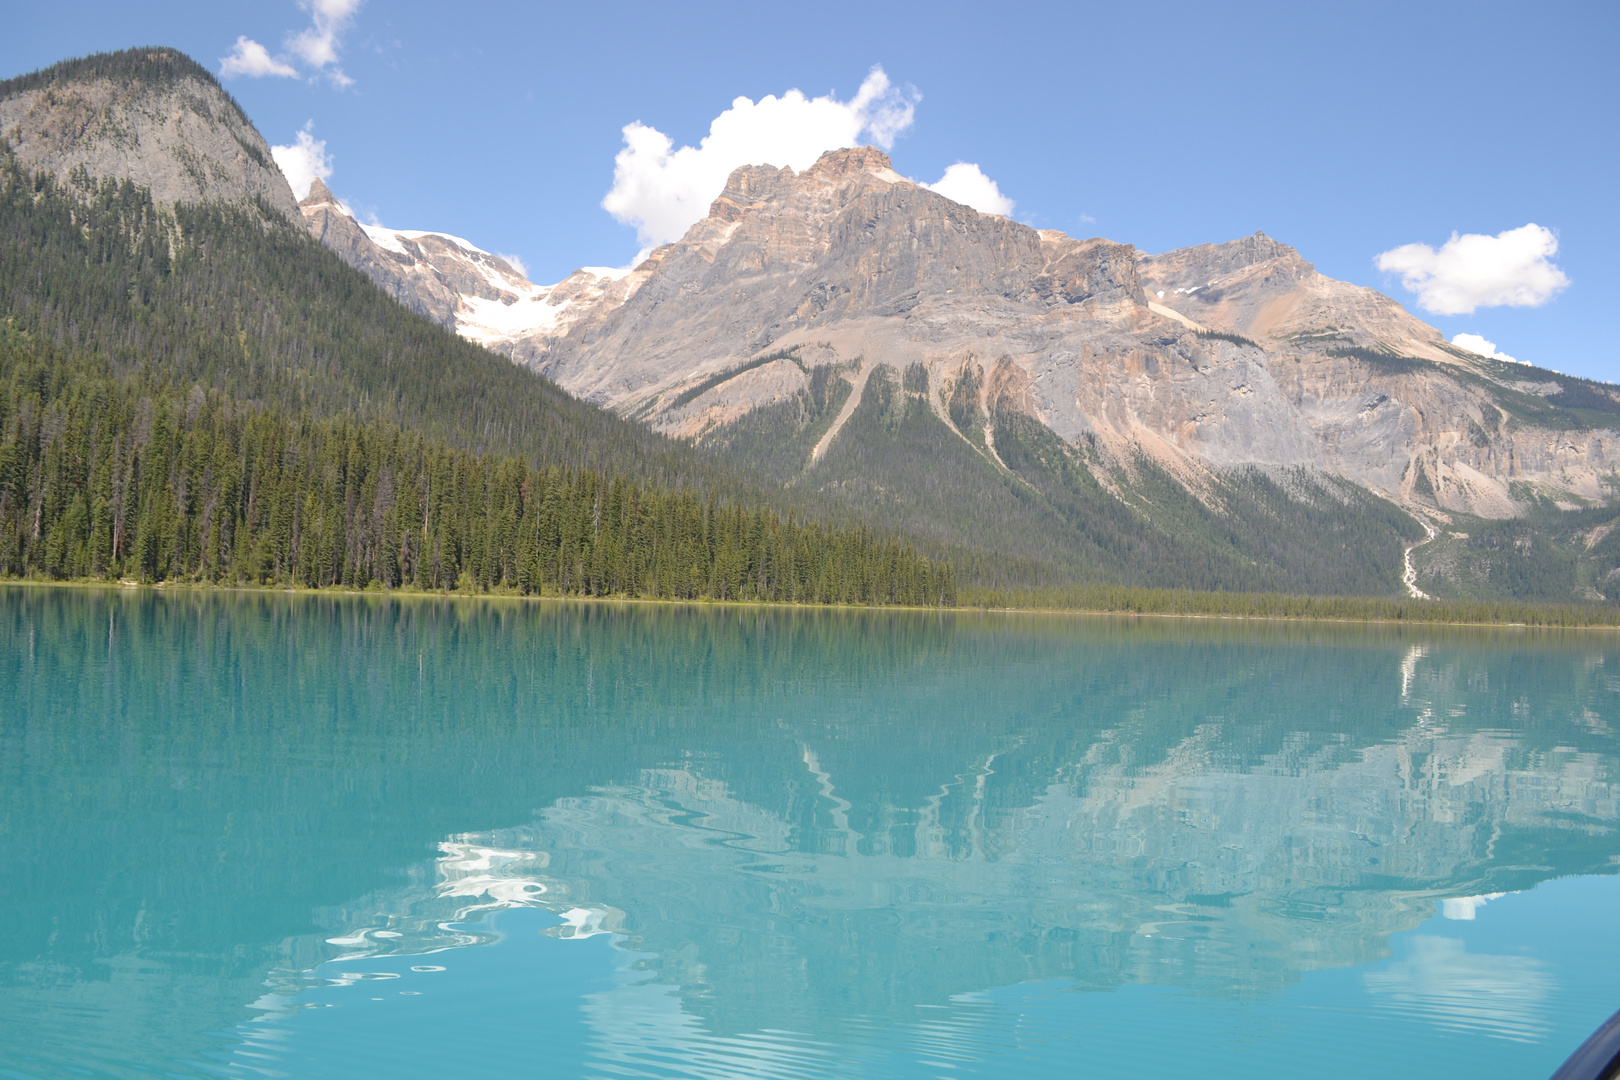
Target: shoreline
126, 586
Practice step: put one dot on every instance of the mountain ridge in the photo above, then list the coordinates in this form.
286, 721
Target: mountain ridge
1250, 357
1252, 292
1040, 407
152, 116
1198, 365
479, 295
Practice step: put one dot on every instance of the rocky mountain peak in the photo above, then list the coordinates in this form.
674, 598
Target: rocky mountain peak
480, 296
846, 276
1204, 264
319, 195
746, 186
152, 116
749, 185
1264, 290
837, 165
1257, 247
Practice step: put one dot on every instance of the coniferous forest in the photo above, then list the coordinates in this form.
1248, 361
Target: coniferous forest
239, 299
109, 478
207, 395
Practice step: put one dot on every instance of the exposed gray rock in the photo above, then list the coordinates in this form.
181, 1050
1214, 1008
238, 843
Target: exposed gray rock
167, 126
398, 275
479, 295
1091, 337
1264, 290
1206, 358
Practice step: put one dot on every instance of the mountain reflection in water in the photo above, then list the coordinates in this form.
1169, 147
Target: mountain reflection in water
786, 819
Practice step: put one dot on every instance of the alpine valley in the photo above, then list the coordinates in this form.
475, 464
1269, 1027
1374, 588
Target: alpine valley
840, 345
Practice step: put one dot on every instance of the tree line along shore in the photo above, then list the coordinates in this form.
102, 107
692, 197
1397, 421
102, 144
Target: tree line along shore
1129, 600
106, 478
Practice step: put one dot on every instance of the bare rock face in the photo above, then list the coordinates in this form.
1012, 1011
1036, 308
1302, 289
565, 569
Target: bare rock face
152, 116
847, 247
400, 276
479, 295
1264, 290
1344, 356
1206, 358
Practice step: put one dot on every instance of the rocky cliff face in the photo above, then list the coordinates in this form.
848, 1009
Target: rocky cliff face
479, 295
152, 116
400, 277
1390, 403
1205, 359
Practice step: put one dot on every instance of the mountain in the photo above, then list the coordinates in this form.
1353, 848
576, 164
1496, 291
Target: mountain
479, 295
208, 275
196, 390
1210, 417
1037, 408
152, 116
1205, 358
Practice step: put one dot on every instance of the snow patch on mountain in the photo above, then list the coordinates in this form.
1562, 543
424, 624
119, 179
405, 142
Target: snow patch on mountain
480, 295
387, 239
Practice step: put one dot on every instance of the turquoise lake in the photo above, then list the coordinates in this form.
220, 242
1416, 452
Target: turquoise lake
262, 835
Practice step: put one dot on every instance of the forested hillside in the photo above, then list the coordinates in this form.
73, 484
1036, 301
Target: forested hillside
1033, 512
134, 477
1548, 555
203, 393
243, 301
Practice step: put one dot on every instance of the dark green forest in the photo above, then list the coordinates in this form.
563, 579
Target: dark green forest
205, 394
102, 477
239, 299
1136, 600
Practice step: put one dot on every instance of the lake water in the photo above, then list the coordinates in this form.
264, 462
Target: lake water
266, 835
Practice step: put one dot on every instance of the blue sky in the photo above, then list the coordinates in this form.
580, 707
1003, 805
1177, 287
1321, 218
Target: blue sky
1346, 130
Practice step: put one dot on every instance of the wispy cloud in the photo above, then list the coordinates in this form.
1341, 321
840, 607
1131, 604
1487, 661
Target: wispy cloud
662, 190
253, 60
318, 44
1471, 271
1500, 997
317, 47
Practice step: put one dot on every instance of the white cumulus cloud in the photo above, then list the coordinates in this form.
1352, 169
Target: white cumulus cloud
662, 190
1472, 271
965, 183
515, 263
253, 60
1476, 344
303, 161
317, 45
